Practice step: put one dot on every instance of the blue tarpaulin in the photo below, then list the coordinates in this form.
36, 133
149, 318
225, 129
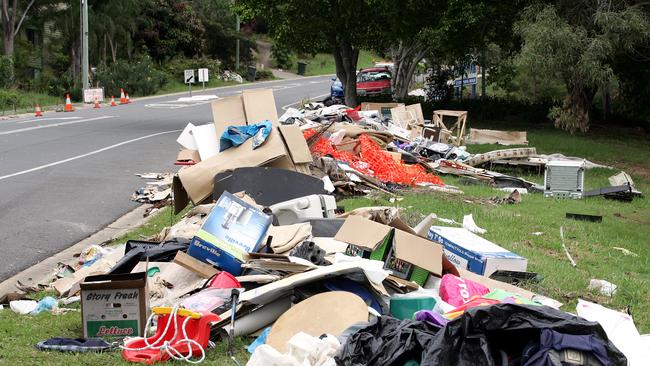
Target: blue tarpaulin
237, 135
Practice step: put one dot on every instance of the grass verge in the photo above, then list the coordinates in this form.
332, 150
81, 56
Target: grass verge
323, 63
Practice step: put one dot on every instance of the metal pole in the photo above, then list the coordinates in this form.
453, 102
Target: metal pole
237, 44
190, 84
483, 83
84, 46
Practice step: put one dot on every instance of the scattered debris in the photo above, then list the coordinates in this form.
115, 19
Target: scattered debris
626, 251
584, 217
566, 251
605, 288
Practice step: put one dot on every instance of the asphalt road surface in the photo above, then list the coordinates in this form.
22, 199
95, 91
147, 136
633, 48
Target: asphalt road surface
66, 176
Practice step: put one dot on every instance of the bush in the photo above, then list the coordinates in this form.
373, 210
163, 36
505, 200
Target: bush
264, 74
6, 71
9, 99
282, 56
137, 77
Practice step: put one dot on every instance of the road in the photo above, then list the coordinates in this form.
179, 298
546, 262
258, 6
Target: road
66, 176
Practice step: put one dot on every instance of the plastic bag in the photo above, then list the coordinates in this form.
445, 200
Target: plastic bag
457, 291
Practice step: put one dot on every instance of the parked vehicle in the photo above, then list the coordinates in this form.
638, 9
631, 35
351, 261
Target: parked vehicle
371, 81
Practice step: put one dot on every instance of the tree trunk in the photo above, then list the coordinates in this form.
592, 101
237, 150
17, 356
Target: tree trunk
8, 38
345, 58
406, 58
575, 113
113, 48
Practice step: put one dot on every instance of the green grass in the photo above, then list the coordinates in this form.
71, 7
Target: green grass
323, 63
625, 225
28, 100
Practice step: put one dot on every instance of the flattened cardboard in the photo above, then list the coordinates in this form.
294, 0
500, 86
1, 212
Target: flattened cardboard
418, 251
202, 269
320, 314
416, 111
114, 305
181, 200
198, 179
296, 144
187, 155
228, 111
362, 232
478, 136
259, 105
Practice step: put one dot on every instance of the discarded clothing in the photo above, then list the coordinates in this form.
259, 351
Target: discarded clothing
468, 340
74, 345
237, 135
302, 350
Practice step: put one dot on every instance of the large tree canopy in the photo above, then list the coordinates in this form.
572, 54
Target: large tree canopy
579, 48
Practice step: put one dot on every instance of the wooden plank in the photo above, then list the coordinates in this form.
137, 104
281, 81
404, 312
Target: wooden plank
480, 136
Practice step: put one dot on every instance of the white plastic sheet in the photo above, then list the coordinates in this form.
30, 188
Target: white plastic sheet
302, 350
620, 330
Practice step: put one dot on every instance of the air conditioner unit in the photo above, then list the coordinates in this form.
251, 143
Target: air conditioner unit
316, 206
564, 179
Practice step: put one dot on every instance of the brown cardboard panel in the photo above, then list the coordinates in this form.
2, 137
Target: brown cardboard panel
362, 232
198, 179
421, 252
325, 313
228, 111
378, 106
186, 154
259, 105
478, 136
202, 269
282, 163
179, 195
296, 144
397, 156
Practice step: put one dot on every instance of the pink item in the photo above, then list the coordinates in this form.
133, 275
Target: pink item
457, 291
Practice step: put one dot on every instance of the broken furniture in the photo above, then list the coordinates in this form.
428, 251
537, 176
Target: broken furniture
455, 133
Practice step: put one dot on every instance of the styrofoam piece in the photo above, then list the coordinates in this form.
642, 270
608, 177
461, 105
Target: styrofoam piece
186, 139
207, 141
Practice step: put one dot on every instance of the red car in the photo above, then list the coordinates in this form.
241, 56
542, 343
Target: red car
373, 81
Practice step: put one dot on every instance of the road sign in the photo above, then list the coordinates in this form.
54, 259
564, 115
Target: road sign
468, 81
189, 77
94, 93
203, 75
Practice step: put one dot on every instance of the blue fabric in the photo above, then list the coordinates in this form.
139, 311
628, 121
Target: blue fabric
259, 340
550, 339
237, 135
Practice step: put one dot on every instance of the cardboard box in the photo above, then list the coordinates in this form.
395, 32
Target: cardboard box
232, 229
383, 108
114, 306
252, 106
469, 251
365, 238
409, 256
188, 155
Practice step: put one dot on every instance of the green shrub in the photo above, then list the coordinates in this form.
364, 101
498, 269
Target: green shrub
264, 74
137, 77
6, 71
282, 56
8, 99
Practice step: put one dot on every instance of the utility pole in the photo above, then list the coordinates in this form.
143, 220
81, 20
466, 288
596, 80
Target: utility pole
237, 43
84, 45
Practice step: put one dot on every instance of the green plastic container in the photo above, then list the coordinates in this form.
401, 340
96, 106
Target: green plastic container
406, 307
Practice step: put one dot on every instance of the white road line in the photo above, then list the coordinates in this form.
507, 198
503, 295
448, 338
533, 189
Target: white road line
54, 125
47, 119
84, 155
284, 107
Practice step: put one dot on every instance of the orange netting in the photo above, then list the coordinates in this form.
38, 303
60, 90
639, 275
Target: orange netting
374, 161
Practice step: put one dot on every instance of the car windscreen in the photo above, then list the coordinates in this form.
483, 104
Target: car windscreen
373, 76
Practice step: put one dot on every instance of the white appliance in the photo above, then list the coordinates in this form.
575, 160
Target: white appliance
316, 206
564, 179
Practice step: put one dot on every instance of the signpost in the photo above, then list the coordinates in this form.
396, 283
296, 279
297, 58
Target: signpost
460, 83
90, 95
189, 79
203, 76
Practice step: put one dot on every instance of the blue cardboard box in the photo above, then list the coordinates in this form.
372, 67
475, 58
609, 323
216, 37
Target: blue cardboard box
232, 229
469, 251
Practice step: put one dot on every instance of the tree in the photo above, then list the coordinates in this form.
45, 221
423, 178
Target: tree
338, 26
171, 27
9, 16
578, 48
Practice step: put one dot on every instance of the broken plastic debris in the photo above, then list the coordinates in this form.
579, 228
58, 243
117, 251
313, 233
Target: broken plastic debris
469, 224
604, 287
626, 251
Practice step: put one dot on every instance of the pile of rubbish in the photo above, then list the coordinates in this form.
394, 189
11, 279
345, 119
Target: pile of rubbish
266, 253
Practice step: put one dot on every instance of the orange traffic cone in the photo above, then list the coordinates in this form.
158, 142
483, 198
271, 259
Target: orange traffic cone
38, 111
97, 103
68, 104
113, 104
122, 97
128, 100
